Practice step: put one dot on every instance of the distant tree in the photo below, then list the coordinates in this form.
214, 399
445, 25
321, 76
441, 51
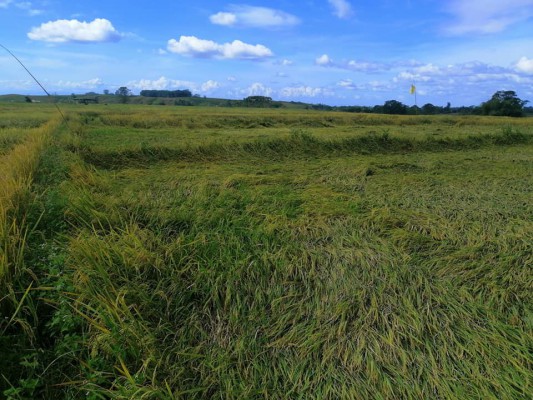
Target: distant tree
166, 93
504, 103
124, 93
413, 110
429, 109
27, 99
106, 91
377, 109
394, 107
258, 101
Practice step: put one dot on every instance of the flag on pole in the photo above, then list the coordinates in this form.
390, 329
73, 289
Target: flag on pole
413, 89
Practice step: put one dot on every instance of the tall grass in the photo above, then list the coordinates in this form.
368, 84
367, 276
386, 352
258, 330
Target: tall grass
18, 167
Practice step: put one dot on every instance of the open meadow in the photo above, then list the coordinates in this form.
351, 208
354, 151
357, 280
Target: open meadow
184, 252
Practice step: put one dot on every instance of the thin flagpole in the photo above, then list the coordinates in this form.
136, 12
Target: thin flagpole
413, 91
35, 79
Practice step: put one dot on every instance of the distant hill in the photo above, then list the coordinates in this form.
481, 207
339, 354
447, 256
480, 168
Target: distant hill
182, 101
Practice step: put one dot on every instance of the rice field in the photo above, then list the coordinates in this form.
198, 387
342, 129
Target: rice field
255, 254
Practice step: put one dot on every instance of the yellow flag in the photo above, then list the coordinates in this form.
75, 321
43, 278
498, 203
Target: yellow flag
413, 89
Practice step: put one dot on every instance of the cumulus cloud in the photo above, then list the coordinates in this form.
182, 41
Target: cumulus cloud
341, 8
254, 17
162, 83
200, 48
62, 31
257, 89
305, 91
347, 84
486, 16
5, 3
464, 78
365, 66
324, 60
525, 65
353, 65
209, 86
88, 84
223, 18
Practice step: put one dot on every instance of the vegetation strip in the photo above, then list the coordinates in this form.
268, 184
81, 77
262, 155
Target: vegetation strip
299, 144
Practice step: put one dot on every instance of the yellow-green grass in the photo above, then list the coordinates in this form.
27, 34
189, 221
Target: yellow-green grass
330, 276
116, 129
358, 260
25, 115
18, 165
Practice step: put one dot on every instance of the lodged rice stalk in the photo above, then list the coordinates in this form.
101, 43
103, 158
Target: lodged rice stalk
17, 168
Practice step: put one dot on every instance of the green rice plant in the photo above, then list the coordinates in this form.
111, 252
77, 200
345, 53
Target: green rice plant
260, 254
323, 277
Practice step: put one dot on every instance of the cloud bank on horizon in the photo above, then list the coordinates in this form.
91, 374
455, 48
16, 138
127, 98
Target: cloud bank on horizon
328, 51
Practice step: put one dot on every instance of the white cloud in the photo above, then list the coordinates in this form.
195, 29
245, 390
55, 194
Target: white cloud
305, 91
286, 63
365, 66
464, 78
231, 79
209, 86
353, 65
223, 18
347, 84
200, 48
254, 17
341, 8
162, 83
5, 3
62, 31
88, 84
486, 16
257, 89
27, 6
525, 65
324, 60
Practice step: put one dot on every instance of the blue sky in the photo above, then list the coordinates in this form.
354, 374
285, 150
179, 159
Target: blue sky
338, 52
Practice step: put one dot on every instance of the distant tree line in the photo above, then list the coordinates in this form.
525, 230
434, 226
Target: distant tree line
502, 103
166, 93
